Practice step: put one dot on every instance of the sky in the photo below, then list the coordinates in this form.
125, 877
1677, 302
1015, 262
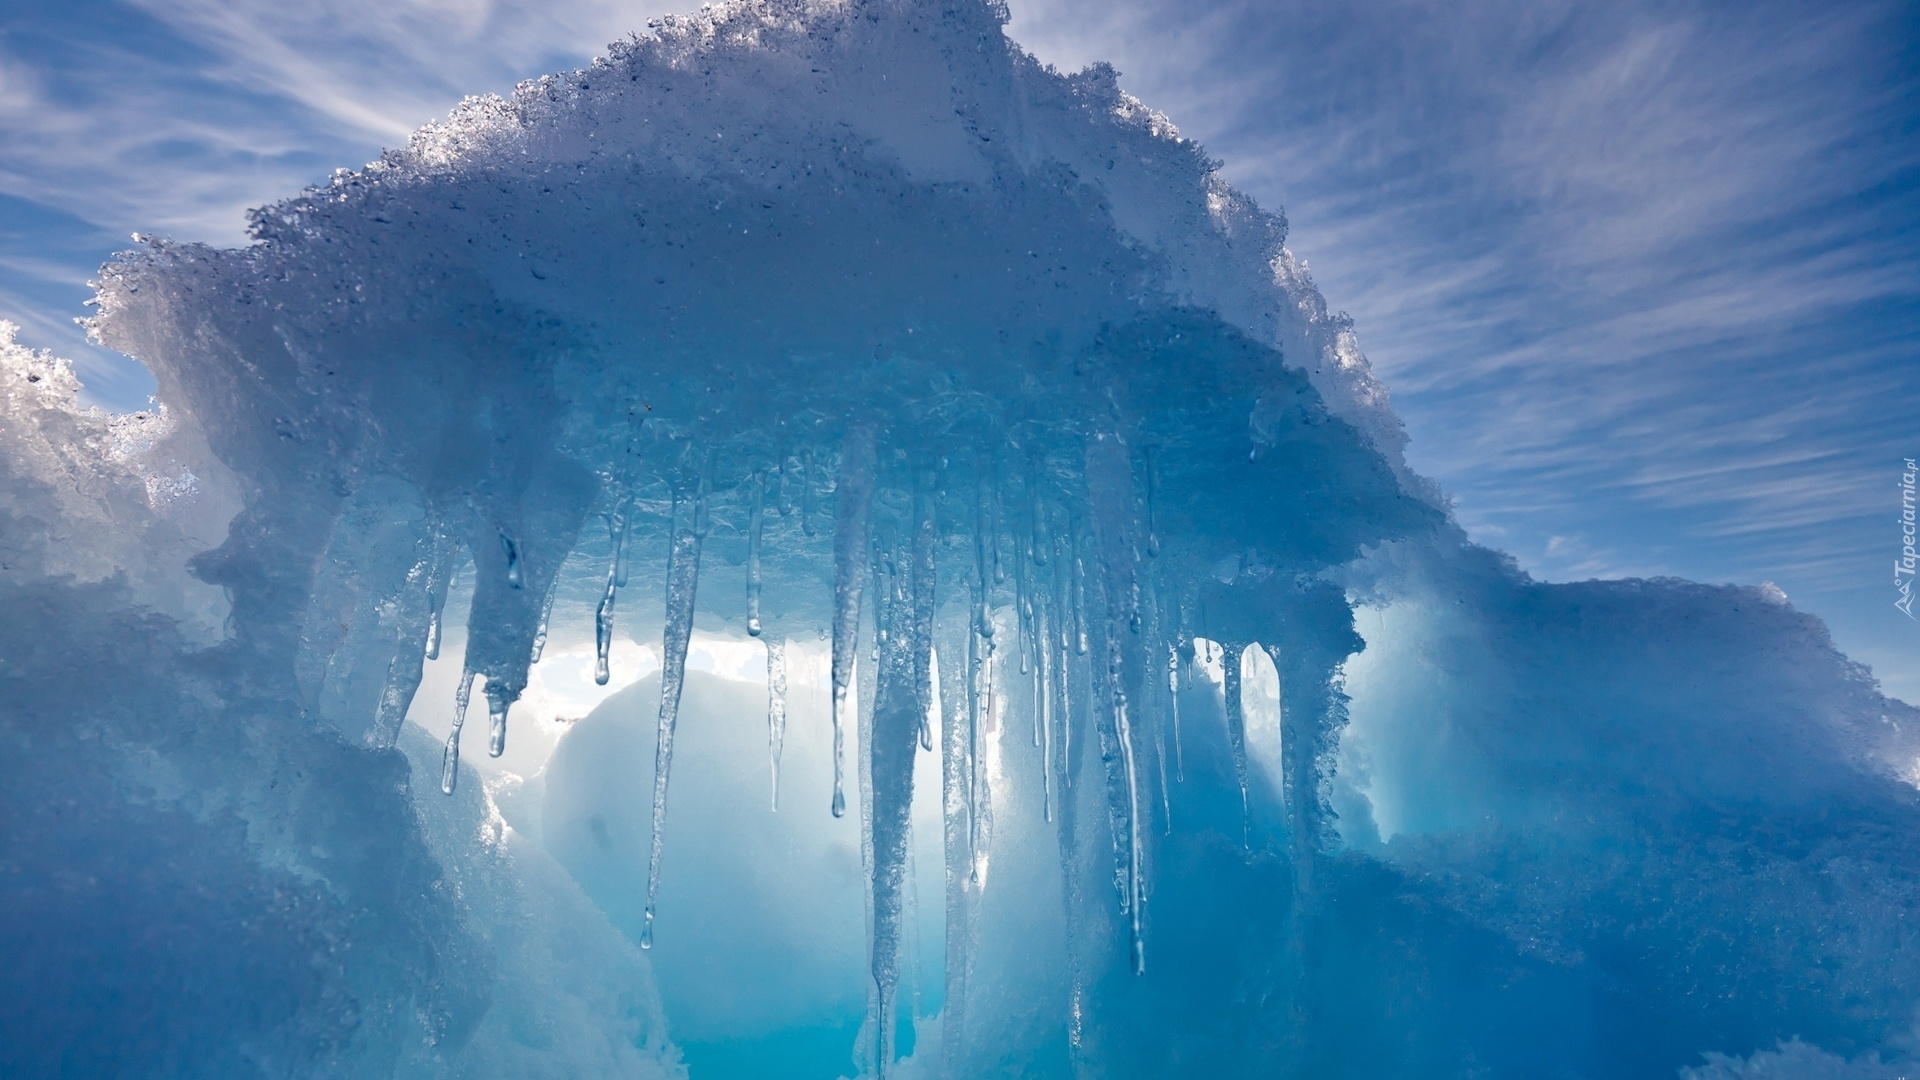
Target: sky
1642, 277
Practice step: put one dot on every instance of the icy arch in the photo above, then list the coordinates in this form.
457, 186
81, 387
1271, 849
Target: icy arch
852, 322
984, 355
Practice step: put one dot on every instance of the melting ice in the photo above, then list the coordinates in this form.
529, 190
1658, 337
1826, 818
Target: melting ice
1177, 729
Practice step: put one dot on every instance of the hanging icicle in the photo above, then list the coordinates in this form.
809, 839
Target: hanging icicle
683, 579
756, 525
972, 758
1153, 502
1043, 706
1079, 598
853, 500
784, 501
1110, 490
540, 630
899, 711
499, 699
450, 760
603, 628
622, 531
807, 472
776, 708
1063, 662
956, 818
446, 570
1173, 698
979, 670
1233, 687
925, 575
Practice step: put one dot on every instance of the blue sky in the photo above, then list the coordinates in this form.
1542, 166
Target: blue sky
1643, 278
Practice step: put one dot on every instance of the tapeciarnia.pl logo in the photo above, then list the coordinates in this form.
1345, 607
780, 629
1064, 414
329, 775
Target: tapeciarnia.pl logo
1903, 567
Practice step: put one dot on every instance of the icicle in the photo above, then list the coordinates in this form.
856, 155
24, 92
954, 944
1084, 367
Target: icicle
702, 524
1173, 698
1043, 707
853, 500
446, 569
1041, 541
622, 532
513, 559
982, 779
1023, 612
1232, 684
880, 562
499, 698
974, 661
1066, 829
434, 625
982, 541
1153, 500
898, 714
756, 524
776, 708
1135, 897
784, 500
1166, 790
540, 631
683, 578
603, 628
450, 761
1079, 600
424, 592
1109, 483
980, 669
433, 633
993, 539
955, 820
1063, 666
806, 493
925, 575
1153, 691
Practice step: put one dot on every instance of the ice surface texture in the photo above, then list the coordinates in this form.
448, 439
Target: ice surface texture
940, 350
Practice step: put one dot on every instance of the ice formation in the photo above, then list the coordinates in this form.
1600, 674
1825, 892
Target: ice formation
850, 328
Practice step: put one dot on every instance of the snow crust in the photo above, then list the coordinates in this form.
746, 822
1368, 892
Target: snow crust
1181, 731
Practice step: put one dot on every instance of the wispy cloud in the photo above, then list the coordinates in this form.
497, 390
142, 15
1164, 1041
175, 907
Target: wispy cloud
376, 70
176, 116
1643, 278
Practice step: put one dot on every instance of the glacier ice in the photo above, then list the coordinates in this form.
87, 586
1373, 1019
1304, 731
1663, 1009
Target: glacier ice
1063, 452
